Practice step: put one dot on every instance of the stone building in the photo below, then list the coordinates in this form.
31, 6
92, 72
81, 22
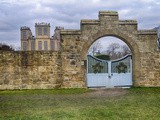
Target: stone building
42, 40
68, 68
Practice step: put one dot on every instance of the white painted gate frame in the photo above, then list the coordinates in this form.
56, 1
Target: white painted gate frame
110, 80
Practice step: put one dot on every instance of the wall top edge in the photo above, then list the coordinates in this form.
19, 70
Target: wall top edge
85, 21
147, 32
110, 13
128, 22
72, 32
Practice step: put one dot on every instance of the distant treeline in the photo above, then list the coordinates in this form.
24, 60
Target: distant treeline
6, 47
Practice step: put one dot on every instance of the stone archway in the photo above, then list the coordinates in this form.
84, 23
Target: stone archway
127, 39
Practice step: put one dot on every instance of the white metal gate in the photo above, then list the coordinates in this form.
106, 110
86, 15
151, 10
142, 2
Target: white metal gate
102, 73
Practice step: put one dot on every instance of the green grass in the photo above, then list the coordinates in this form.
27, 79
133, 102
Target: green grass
44, 91
72, 104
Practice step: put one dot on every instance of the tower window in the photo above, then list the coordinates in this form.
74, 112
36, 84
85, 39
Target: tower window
45, 45
39, 31
24, 46
39, 45
45, 31
32, 45
24, 35
52, 45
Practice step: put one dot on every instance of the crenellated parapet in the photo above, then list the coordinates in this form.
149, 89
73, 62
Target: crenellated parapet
42, 24
25, 28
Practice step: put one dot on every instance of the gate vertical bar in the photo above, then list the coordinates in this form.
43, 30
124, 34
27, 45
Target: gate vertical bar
109, 84
131, 70
87, 69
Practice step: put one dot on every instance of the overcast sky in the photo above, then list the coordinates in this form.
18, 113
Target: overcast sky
68, 13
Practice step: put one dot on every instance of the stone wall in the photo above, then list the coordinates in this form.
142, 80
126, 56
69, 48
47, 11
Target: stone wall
68, 68
73, 74
150, 59
30, 70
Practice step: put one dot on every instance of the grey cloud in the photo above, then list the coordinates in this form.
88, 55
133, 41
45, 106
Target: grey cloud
69, 13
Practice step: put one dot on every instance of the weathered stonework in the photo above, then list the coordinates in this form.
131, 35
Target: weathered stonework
67, 68
30, 70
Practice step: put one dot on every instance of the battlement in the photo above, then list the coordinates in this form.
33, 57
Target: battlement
59, 28
108, 13
42, 24
25, 28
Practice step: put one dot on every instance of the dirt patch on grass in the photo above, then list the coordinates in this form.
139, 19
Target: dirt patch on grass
106, 92
90, 94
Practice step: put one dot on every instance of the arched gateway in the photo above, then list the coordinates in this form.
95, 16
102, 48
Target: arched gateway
75, 44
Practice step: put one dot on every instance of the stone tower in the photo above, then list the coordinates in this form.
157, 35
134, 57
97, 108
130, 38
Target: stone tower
42, 31
26, 39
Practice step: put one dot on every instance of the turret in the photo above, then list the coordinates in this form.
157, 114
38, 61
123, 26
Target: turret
26, 34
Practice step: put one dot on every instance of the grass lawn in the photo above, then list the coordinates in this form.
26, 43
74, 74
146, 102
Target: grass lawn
80, 104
